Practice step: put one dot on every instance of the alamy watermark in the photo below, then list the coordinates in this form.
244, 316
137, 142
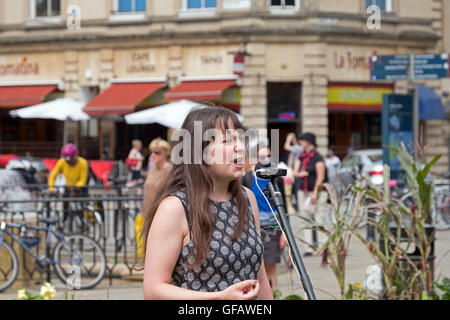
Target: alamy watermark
74, 280
374, 19
239, 146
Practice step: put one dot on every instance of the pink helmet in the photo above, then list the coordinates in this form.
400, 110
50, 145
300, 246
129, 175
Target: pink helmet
69, 150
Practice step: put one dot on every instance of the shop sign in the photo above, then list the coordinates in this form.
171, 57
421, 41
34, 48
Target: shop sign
238, 64
208, 60
357, 96
140, 63
349, 61
22, 68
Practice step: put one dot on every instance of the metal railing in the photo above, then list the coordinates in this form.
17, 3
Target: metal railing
107, 214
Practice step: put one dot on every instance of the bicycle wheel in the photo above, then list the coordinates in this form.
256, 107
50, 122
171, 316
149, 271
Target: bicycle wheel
9, 266
346, 210
442, 213
79, 261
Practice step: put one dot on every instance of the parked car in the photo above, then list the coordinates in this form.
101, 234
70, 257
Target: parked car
362, 163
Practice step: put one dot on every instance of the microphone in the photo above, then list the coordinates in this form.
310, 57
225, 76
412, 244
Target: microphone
269, 171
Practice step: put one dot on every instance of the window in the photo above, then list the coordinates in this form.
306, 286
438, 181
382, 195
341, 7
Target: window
201, 4
384, 5
287, 4
128, 10
131, 6
45, 8
284, 6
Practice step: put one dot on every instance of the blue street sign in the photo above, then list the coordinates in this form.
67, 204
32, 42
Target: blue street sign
431, 66
397, 120
396, 67
390, 67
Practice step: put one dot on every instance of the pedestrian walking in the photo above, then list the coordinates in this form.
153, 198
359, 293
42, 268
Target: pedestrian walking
295, 149
134, 161
310, 167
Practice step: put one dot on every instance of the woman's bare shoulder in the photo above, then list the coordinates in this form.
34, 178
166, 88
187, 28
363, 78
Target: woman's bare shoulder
171, 206
170, 216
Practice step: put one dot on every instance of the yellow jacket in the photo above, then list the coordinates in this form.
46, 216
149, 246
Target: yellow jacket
75, 176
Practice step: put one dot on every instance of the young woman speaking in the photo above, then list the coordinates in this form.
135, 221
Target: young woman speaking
201, 233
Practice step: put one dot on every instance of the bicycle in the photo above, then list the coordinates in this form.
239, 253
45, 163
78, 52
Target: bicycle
440, 211
346, 207
81, 215
78, 260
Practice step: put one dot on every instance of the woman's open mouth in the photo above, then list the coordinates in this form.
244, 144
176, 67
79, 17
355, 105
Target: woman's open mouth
238, 163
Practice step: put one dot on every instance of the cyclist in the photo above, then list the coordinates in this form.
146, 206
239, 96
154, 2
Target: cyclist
73, 167
75, 170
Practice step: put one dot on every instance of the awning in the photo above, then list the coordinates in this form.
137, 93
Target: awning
430, 105
24, 95
199, 90
121, 98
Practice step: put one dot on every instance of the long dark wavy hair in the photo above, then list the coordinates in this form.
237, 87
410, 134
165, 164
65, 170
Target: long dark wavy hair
197, 181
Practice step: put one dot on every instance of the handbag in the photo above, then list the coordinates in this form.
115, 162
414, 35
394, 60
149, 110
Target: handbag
131, 162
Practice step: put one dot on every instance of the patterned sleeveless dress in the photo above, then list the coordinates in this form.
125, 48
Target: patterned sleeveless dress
228, 262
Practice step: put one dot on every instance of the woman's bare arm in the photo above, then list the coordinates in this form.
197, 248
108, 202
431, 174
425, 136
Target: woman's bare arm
320, 170
164, 243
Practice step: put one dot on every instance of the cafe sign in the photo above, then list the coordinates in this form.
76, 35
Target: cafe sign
140, 63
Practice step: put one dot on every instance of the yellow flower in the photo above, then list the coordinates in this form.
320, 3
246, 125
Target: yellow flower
358, 286
22, 294
48, 291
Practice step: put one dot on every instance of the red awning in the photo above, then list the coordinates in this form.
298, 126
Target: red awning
26, 95
204, 90
121, 98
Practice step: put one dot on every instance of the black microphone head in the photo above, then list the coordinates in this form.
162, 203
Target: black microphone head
260, 165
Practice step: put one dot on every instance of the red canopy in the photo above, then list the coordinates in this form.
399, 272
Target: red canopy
121, 98
21, 96
204, 90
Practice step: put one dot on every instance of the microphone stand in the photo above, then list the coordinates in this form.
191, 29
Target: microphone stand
277, 201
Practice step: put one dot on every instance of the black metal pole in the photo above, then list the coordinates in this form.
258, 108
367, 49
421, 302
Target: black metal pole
275, 197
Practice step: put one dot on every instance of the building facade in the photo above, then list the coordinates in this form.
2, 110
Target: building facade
306, 63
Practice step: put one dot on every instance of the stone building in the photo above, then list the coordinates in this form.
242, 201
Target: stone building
306, 64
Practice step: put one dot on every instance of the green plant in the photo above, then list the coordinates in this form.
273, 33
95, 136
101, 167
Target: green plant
347, 217
356, 292
443, 287
293, 297
404, 277
277, 294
